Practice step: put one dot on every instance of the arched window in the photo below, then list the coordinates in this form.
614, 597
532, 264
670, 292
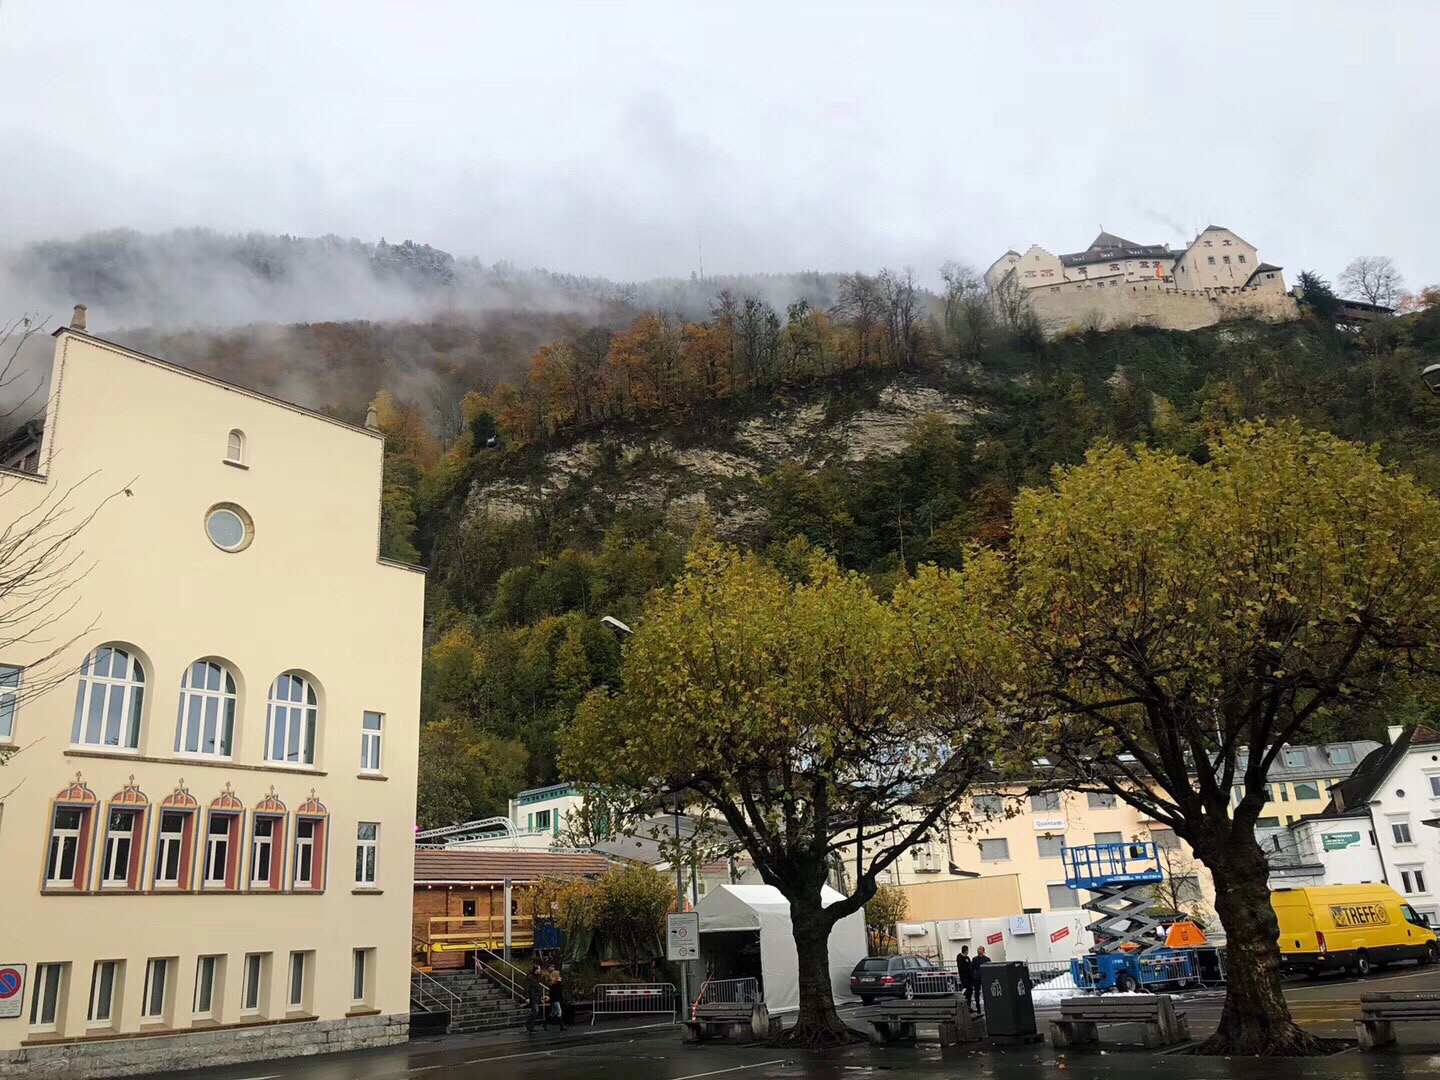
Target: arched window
290, 720
108, 704
205, 723
235, 447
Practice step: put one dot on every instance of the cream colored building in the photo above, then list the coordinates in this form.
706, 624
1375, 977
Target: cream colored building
207, 839
1117, 282
1008, 833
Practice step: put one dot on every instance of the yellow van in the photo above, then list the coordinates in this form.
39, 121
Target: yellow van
1354, 927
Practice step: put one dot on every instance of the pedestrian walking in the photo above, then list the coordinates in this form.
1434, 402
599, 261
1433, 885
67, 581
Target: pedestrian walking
966, 973
977, 990
557, 999
535, 996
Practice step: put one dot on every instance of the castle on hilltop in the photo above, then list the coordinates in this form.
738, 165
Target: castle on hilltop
1116, 282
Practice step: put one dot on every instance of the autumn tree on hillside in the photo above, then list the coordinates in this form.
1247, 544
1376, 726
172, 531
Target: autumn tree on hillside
801, 713
1175, 625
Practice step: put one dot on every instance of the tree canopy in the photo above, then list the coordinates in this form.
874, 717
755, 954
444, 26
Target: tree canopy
797, 708
1173, 624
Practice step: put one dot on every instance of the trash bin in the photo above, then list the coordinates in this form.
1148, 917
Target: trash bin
1009, 1000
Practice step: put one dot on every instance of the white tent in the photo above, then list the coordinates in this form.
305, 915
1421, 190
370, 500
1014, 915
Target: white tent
728, 908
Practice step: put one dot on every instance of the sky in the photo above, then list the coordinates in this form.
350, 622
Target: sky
650, 139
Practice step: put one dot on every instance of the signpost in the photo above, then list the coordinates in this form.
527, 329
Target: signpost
682, 936
12, 990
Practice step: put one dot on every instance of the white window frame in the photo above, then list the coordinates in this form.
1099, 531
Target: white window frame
1295, 758
120, 700
10, 676
206, 713
1434, 779
113, 836
97, 983
1319, 791
259, 843
367, 854
371, 741
55, 849
213, 841
305, 844
292, 721
157, 976
252, 983
164, 842
235, 447
1395, 827
45, 997
295, 982
1413, 880
203, 1006
358, 981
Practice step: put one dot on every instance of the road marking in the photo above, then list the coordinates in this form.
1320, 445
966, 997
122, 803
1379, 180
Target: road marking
738, 1068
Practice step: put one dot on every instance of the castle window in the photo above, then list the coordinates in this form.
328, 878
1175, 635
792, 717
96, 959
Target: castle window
1227, 259
1114, 266
1029, 273
1054, 288
1211, 258
1144, 265
1209, 244
1241, 258
1225, 243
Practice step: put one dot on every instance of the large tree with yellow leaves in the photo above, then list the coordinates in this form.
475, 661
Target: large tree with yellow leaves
1172, 625
802, 712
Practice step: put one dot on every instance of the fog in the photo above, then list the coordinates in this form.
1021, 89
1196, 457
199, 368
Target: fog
650, 140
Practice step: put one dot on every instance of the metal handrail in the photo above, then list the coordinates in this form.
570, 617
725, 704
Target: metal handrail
421, 985
495, 971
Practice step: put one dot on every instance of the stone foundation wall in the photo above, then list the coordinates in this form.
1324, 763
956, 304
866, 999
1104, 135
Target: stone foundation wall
89, 1058
1073, 309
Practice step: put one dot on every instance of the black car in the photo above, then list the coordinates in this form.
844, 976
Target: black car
900, 976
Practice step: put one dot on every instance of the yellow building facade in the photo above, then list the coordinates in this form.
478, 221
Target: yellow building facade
208, 807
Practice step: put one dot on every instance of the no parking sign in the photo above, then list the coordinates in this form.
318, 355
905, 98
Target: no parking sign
12, 990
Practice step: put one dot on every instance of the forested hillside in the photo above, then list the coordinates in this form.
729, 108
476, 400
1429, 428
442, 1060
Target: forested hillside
890, 440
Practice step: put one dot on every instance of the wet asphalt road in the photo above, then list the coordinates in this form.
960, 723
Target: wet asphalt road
656, 1053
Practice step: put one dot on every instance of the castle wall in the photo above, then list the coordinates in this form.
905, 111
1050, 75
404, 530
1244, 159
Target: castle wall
1079, 306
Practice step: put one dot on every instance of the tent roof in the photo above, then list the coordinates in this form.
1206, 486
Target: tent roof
744, 907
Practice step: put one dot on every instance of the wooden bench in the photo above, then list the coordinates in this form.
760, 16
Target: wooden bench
1379, 1013
1080, 1019
892, 1021
723, 1019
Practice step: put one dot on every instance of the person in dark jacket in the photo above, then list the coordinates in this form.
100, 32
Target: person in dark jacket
557, 997
535, 995
976, 997
964, 971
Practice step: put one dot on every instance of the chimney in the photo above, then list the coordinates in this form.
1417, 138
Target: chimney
1394, 731
371, 420
77, 321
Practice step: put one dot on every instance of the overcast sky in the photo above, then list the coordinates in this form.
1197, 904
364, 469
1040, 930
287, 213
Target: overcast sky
617, 139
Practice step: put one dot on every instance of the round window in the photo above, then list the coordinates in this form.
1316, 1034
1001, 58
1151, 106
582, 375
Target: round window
229, 527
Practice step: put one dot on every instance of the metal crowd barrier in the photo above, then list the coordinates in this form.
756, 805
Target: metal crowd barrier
1162, 969
1052, 976
730, 992
936, 983
633, 999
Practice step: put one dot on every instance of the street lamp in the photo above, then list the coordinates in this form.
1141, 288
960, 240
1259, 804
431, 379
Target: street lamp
1431, 378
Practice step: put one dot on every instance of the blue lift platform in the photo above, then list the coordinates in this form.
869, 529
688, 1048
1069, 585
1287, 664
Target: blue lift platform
1130, 949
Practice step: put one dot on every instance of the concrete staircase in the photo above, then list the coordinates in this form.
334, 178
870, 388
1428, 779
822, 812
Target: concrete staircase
478, 1004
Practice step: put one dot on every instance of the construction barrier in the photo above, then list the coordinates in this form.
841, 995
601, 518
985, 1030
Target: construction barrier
730, 992
633, 999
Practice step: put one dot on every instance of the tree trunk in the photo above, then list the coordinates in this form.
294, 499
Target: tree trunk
1256, 1018
818, 1024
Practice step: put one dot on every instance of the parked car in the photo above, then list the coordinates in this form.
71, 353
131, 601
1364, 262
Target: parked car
900, 976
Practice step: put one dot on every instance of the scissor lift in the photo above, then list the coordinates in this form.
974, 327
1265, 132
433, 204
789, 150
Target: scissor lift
1120, 879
